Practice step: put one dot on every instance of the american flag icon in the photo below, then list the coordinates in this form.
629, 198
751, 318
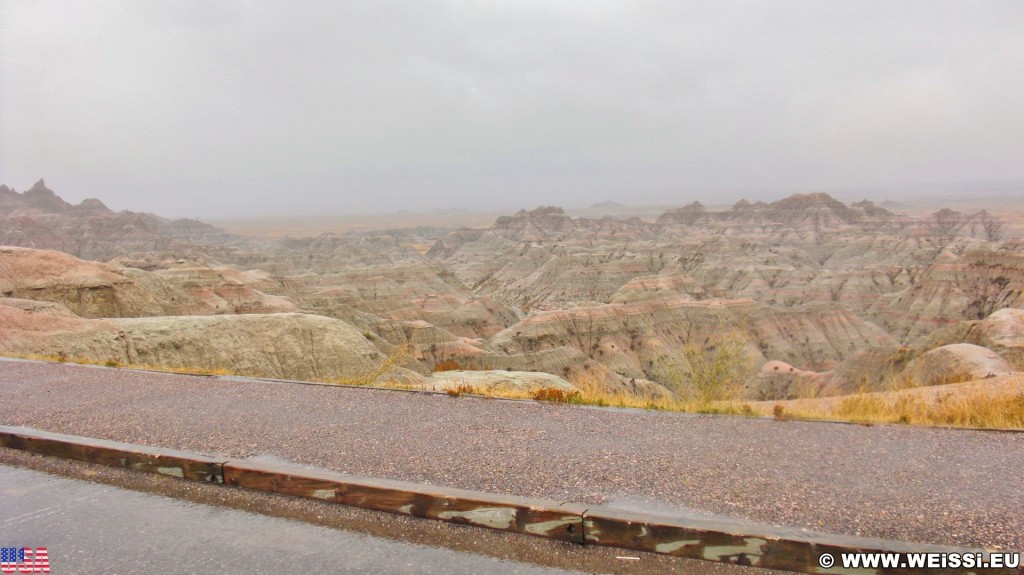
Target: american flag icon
24, 560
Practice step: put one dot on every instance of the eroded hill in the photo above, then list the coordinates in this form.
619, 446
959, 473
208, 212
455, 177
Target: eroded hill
814, 296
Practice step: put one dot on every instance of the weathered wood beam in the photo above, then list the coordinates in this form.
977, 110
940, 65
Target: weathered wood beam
550, 519
750, 544
142, 458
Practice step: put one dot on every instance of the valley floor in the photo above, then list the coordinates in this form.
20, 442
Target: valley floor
952, 487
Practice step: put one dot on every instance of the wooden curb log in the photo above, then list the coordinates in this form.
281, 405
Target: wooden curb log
768, 547
720, 541
139, 457
549, 519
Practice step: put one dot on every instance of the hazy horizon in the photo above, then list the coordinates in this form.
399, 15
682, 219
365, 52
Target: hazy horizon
233, 109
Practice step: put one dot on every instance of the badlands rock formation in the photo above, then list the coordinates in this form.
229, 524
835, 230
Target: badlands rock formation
954, 288
39, 218
955, 363
845, 295
289, 346
92, 289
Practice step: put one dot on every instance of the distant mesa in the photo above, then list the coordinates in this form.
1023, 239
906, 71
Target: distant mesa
541, 211
541, 220
816, 209
806, 200
687, 215
92, 205
872, 209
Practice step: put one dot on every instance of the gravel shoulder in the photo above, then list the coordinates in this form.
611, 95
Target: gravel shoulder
951, 487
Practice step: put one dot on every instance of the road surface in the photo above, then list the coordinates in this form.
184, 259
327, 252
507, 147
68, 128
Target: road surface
93, 528
947, 487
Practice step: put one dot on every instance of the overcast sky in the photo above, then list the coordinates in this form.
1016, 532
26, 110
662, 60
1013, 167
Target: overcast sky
237, 108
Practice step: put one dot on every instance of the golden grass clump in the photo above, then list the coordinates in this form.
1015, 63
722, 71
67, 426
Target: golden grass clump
460, 390
556, 395
594, 391
976, 408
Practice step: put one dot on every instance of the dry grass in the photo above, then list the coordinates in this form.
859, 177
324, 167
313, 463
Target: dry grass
987, 403
719, 367
982, 404
461, 389
60, 358
594, 391
556, 395
979, 409
779, 411
371, 377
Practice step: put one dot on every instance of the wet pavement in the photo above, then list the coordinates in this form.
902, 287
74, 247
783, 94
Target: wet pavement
92, 528
928, 485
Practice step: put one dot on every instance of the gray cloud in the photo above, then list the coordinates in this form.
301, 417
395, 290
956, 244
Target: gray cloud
231, 107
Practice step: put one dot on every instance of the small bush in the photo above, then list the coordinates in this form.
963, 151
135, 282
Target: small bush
460, 389
718, 368
779, 412
111, 363
556, 395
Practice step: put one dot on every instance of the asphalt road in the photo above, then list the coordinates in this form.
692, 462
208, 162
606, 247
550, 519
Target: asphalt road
93, 528
951, 487
486, 547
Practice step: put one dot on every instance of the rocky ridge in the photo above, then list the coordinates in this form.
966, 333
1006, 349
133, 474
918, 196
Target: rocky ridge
830, 290
38, 218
